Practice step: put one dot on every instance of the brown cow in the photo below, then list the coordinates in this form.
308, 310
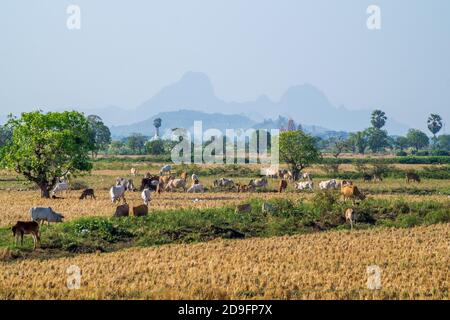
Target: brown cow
140, 211
282, 185
184, 175
242, 187
87, 193
122, 211
351, 192
411, 176
26, 227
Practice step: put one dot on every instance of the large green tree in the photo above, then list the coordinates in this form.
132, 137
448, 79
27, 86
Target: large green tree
417, 139
136, 142
377, 139
298, 150
358, 141
46, 146
99, 133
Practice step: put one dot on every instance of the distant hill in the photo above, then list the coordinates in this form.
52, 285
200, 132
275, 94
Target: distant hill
194, 91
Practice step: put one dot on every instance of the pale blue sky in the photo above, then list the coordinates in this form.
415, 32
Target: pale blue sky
127, 50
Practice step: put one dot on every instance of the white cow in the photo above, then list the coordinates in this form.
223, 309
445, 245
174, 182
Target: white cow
117, 192
60, 187
196, 188
145, 195
194, 177
134, 172
224, 182
41, 214
165, 169
328, 185
270, 172
307, 185
258, 183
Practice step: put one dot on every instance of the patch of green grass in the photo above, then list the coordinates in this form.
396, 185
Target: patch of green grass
324, 212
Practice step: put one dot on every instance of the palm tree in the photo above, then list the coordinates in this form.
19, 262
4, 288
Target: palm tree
434, 125
378, 119
157, 125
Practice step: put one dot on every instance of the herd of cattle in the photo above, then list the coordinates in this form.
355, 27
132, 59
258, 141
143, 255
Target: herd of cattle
166, 181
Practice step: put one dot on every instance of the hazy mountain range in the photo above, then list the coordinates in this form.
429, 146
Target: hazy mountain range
192, 98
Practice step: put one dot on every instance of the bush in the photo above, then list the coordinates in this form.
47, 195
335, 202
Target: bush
401, 154
422, 153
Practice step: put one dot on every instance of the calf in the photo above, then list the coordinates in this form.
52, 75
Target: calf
140, 211
282, 185
26, 227
350, 216
122, 211
87, 193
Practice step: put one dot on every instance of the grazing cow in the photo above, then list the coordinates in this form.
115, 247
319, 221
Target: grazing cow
176, 184
367, 178
60, 187
122, 211
350, 216
26, 227
134, 172
41, 214
257, 183
166, 169
282, 185
145, 195
411, 176
151, 183
196, 188
140, 211
328, 185
87, 193
306, 185
352, 192
116, 193
223, 182
243, 208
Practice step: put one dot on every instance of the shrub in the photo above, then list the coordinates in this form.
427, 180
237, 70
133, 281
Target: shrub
401, 154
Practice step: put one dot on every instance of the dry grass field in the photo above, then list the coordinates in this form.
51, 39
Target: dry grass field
414, 264
326, 265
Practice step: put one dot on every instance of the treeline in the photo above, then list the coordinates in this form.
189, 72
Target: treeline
377, 140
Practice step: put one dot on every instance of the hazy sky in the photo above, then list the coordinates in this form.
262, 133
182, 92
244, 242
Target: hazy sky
127, 50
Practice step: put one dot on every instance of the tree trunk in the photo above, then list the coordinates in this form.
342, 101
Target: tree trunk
45, 191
